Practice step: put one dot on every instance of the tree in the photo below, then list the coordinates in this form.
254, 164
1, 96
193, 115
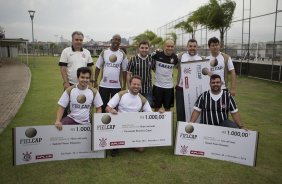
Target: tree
173, 36
215, 16
149, 36
186, 27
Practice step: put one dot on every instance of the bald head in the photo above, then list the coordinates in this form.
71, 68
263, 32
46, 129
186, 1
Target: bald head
169, 47
116, 39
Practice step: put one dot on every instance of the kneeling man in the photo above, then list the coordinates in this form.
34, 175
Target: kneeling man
129, 101
81, 98
214, 106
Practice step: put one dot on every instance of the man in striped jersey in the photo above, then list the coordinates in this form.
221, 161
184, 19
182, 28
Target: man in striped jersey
141, 65
214, 106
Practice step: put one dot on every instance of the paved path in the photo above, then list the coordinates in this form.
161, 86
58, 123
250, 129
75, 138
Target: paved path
14, 84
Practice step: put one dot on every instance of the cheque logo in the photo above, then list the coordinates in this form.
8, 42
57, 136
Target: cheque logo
27, 156
103, 142
193, 152
31, 133
46, 156
184, 149
106, 119
117, 143
189, 129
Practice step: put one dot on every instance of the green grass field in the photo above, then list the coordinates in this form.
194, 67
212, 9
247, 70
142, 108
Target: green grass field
260, 105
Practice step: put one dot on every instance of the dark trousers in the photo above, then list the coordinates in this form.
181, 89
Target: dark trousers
180, 109
106, 94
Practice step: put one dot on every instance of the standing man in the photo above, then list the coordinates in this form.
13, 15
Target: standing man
129, 101
73, 58
214, 106
163, 92
141, 65
114, 63
80, 97
191, 55
222, 65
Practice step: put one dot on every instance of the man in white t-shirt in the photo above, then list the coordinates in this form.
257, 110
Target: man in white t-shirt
222, 65
191, 55
80, 98
73, 58
129, 101
114, 62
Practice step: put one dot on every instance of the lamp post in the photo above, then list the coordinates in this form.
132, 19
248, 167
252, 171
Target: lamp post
31, 14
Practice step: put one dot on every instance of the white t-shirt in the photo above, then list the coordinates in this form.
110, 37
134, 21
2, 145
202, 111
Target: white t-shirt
129, 103
187, 57
111, 69
219, 69
74, 61
80, 111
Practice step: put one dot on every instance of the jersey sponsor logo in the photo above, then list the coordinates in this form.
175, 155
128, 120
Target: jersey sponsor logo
113, 81
80, 106
216, 68
162, 65
112, 65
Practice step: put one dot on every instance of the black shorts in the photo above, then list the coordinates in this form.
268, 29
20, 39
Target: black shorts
163, 97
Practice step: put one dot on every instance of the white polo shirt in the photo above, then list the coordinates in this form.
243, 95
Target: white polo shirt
129, 103
111, 67
74, 60
80, 111
219, 69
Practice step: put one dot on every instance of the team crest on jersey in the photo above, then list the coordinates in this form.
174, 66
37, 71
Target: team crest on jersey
223, 106
171, 60
187, 70
83, 55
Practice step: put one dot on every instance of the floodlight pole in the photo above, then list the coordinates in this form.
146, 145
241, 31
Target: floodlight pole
31, 14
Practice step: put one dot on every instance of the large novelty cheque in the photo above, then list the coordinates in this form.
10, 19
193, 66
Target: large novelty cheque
132, 130
195, 81
46, 143
222, 143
